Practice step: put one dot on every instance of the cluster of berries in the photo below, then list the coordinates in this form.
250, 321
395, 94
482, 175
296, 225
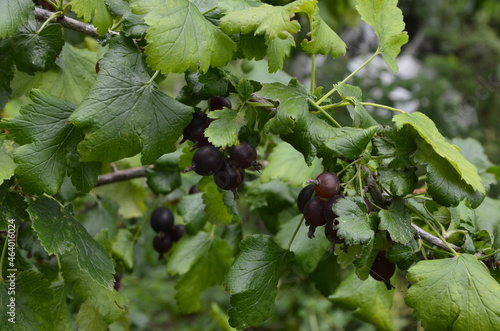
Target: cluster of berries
162, 222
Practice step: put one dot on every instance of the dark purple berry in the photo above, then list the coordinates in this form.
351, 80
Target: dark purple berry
383, 269
219, 103
177, 232
329, 214
244, 154
327, 185
197, 122
162, 220
207, 161
229, 177
162, 243
304, 196
314, 212
193, 189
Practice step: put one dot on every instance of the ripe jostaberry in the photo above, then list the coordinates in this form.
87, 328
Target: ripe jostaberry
244, 155
162, 243
383, 269
206, 161
304, 196
329, 214
162, 220
229, 177
314, 212
219, 102
177, 232
327, 185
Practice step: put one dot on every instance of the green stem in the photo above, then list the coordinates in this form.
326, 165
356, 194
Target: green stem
53, 16
383, 107
157, 72
422, 250
208, 11
295, 233
443, 230
4, 250
435, 249
313, 73
324, 113
488, 255
349, 165
423, 218
377, 52
59, 266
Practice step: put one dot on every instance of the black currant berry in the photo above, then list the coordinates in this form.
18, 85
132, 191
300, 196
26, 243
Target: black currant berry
327, 185
162, 243
162, 220
197, 122
383, 269
177, 232
229, 177
332, 235
193, 189
198, 137
304, 196
206, 161
244, 154
329, 214
314, 212
219, 103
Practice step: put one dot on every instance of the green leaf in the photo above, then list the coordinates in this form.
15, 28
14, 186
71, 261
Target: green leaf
71, 78
7, 164
123, 248
203, 86
206, 271
277, 50
387, 20
124, 114
395, 145
398, 182
192, 210
14, 13
308, 252
12, 205
104, 215
431, 141
180, 38
288, 165
350, 142
186, 251
323, 39
370, 300
88, 319
293, 109
37, 50
253, 278
49, 145
162, 181
59, 232
133, 25
397, 221
456, 293
219, 205
60, 311
403, 255
6, 70
94, 11
355, 225
109, 303
33, 302
224, 131
488, 219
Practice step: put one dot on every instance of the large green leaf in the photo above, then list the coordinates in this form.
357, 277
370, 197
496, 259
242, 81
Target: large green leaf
369, 298
34, 300
37, 50
12, 206
180, 38
224, 130
387, 20
59, 232
288, 165
253, 278
454, 294
398, 182
14, 13
94, 11
350, 142
355, 225
431, 141
49, 146
292, 111
396, 221
308, 252
124, 113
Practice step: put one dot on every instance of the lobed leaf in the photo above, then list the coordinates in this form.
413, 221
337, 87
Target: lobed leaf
14, 13
94, 11
455, 293
253, 278
219, 205
355, 225
397, 221
224, 131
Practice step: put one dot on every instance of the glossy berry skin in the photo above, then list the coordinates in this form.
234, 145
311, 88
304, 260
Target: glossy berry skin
193, 189
162, 220
244, 155
229, 177
314, 212
207, 161
162, 243
197, 121
216, 103
327, 185
329, 214
304, 196
177, 232
383, 269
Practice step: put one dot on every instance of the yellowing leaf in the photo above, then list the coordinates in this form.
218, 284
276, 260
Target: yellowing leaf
94, 11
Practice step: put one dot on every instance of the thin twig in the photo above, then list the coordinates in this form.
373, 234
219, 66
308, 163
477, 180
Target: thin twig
121, 175
88, 29
433, 239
